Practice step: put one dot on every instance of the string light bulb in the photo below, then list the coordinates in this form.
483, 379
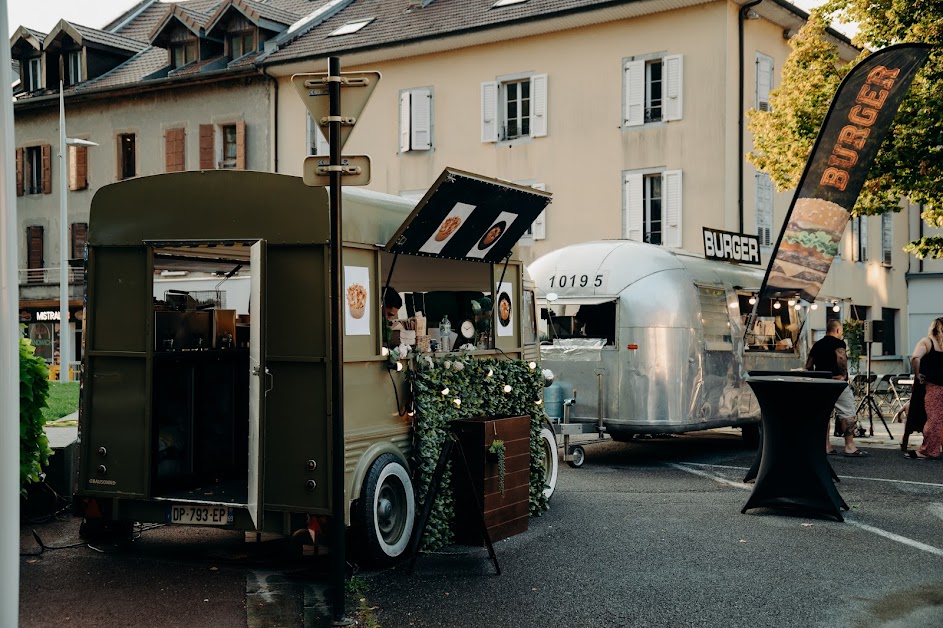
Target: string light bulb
507, 388
776, 305
814, 306
836, 308
752, 301
798, 306
445, 391
792, 302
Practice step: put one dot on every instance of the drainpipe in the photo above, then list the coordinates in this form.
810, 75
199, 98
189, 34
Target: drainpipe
741, 17
274, 119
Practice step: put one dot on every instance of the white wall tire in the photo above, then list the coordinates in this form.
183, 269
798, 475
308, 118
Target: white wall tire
387, 509
548, 444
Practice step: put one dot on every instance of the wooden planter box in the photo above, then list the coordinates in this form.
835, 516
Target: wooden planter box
507, 514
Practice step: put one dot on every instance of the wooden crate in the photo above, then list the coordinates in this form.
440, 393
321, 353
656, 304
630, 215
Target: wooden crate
507, 514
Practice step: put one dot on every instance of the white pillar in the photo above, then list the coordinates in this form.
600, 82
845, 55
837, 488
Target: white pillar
9, 353
65, 344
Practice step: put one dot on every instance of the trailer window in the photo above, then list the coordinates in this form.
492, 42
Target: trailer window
715, 318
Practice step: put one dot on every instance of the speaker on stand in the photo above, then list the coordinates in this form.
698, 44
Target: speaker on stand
873, 332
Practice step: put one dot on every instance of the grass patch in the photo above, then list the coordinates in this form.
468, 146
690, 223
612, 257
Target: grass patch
63, 399
357, 590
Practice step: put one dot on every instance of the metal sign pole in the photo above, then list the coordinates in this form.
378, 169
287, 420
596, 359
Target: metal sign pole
9, 354
338, 524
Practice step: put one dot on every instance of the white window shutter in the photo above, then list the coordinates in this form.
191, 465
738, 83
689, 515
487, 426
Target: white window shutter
633, 217
671, 186
404, 118
674, 71
764, 81
539, 227
538, 92
489, 111
633, 90
421, 119
764, 208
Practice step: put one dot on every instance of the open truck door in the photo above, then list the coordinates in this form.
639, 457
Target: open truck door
259, 380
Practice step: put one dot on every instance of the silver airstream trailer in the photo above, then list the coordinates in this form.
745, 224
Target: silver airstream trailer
648, 340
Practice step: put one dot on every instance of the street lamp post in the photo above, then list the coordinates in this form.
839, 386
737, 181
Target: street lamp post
65, 336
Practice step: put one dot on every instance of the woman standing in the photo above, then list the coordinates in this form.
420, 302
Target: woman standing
927, 362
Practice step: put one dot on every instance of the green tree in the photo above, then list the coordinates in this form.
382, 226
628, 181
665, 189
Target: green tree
910, 162
34, 388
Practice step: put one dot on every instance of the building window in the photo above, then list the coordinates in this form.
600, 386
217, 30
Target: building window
514, 108
241, 43
228, 132
887, 238
127, 166
78, 167
859, 239
889, 344
33, 170
764, 81
182, 54
73, 68
652, 207
652, 89
34, 254
79, 237
764, 208
859, 312
32, 75
415, 119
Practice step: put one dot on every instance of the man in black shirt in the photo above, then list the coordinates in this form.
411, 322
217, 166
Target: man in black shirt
829, 354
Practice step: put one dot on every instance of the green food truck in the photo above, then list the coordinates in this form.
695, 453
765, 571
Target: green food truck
206, 371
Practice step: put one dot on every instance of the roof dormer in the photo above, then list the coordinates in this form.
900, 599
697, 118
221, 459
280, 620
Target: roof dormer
181, 32
75, 53
246, 25
26, 50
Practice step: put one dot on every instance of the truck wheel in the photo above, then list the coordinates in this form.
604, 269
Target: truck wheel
387, 509
548, 445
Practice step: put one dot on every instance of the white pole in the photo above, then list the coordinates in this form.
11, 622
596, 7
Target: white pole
9, 353
65, 337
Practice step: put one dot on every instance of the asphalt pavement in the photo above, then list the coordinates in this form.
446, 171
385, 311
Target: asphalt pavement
644, 534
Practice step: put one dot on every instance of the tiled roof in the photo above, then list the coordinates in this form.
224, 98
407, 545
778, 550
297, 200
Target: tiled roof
248, 59
143, 24
95, 36
131, 71
197, 66
269, 11
191, 18
393, 24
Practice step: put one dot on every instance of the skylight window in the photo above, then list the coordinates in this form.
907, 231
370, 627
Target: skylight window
506, 3
351, 27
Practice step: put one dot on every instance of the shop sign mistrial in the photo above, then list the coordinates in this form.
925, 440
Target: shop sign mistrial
731, 247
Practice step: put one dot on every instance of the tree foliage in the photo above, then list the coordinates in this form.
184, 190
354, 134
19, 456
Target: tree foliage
910, 162
34, 388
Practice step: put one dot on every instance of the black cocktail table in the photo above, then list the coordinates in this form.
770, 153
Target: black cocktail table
793, 470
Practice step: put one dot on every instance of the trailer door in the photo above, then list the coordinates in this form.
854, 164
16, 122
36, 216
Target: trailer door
258, 380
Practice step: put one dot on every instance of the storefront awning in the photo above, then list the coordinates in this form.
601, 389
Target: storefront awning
469, 217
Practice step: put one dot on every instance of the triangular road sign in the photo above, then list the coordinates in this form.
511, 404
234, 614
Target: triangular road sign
356, 88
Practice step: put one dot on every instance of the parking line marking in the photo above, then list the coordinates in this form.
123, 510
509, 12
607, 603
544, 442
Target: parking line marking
863, 526
847, 477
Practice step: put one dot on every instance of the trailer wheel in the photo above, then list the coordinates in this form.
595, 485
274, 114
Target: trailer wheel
579, 457
387, 509
548, 445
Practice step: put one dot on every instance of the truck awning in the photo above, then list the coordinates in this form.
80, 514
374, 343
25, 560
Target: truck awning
469, 217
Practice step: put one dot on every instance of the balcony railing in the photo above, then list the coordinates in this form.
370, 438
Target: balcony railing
49, 276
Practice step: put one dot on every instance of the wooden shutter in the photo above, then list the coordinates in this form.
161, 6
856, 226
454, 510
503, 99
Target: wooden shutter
174, 150
538, 92
674, 72
34, 254
671, 186
633, 89
47, 168
764, 208
20, 190
404, 119
207, 156
632, 202
241, 145
79, 237
421, 119
764, 81
78, 167
489, 111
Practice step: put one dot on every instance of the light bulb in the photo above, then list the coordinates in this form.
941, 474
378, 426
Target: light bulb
489, 373
445, 391
835, 308
457, 402
399, 366
814, 306
798, 306
532, 365
752, 301
507, 388
792, 301
776, 305
539, 401
384, 352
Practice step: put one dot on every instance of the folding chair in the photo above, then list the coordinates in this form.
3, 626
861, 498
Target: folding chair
884, 393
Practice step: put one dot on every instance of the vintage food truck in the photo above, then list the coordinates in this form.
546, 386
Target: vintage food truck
202, 407
645, 339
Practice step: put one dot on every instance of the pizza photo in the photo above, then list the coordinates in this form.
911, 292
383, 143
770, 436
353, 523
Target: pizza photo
492, 235
447, 228
504, 309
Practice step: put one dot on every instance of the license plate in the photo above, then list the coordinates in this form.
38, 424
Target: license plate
199, 515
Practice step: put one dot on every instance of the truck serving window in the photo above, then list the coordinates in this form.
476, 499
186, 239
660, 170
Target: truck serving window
775, 329
573, 320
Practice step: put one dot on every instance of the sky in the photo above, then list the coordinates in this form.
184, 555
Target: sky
43, 15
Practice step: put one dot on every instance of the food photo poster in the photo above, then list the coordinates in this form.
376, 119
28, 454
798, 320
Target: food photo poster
357, 297
492, 234
504, 309
447, 228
